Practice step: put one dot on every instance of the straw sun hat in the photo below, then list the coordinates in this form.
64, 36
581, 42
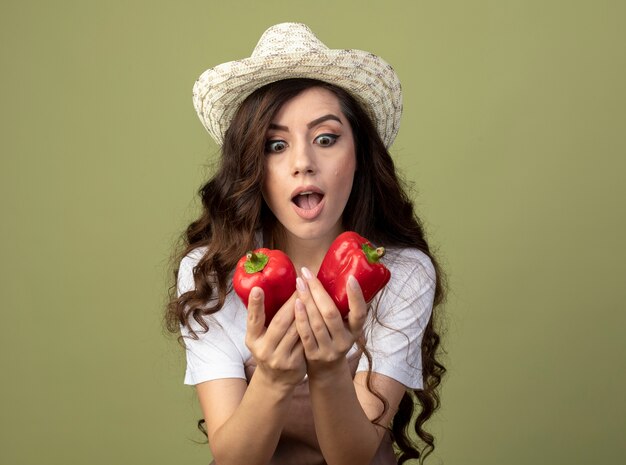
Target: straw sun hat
291, 50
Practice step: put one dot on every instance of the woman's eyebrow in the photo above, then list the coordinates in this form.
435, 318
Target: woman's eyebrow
321, 119
313, 123
278, 127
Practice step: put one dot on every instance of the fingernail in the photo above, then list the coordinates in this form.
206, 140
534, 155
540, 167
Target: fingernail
300, 285
299, 306
255, 293
353, 283
306, 273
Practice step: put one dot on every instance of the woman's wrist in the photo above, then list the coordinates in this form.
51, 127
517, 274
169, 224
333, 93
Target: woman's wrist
327, 374
268, 379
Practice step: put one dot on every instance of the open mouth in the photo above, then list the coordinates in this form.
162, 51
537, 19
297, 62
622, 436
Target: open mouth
307, 200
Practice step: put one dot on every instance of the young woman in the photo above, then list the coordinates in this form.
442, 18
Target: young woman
304, 132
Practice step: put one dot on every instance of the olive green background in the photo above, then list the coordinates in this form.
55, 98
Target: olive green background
513, 139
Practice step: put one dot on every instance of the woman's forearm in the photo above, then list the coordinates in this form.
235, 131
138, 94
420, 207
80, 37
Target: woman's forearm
251, 434
345, 434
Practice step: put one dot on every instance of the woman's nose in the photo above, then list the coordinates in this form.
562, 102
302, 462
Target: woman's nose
302, 160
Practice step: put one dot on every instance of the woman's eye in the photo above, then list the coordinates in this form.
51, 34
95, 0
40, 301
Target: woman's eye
274, 146
326, 140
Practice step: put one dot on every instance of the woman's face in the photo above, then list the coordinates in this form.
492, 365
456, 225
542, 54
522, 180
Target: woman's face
309, 165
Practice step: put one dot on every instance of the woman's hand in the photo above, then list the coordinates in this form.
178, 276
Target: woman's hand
325, 335
277, 349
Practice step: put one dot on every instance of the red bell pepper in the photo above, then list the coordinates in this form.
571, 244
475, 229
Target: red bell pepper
272, 271
352, 254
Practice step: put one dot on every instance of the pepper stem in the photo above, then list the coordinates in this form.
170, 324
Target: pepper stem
373, 254
255, 262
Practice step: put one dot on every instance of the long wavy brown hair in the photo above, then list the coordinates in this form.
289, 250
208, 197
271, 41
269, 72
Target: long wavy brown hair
378, 208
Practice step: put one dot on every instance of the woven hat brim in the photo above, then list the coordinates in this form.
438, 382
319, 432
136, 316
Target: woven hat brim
219, 91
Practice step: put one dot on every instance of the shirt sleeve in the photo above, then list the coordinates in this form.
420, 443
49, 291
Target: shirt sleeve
215, 354
398, 318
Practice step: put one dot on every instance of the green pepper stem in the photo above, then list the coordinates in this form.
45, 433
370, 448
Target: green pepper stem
255, 262
373, 254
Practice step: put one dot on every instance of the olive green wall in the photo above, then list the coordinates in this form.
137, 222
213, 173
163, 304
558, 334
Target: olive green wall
513, 135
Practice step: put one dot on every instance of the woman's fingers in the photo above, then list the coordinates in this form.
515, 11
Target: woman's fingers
282, 320
288, 341
309, 342
308, 321
327, 309
320, 308
358, 307
279, 325
256, 314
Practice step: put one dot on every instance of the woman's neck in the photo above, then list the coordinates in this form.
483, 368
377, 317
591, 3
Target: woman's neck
309, 253
305, 252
